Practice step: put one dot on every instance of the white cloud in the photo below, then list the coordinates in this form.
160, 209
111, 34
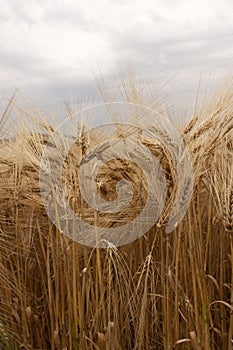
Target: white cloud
57, 44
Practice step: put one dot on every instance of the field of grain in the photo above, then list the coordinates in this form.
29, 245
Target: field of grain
162, 291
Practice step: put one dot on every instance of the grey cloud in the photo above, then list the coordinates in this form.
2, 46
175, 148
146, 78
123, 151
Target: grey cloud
18, 13
62, 15
182, 52
23, 62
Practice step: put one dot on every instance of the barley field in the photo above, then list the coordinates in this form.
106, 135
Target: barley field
162, 291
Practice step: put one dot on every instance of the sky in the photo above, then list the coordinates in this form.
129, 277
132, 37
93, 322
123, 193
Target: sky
51, 49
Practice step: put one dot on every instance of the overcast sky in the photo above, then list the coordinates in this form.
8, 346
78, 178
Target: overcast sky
49, 49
